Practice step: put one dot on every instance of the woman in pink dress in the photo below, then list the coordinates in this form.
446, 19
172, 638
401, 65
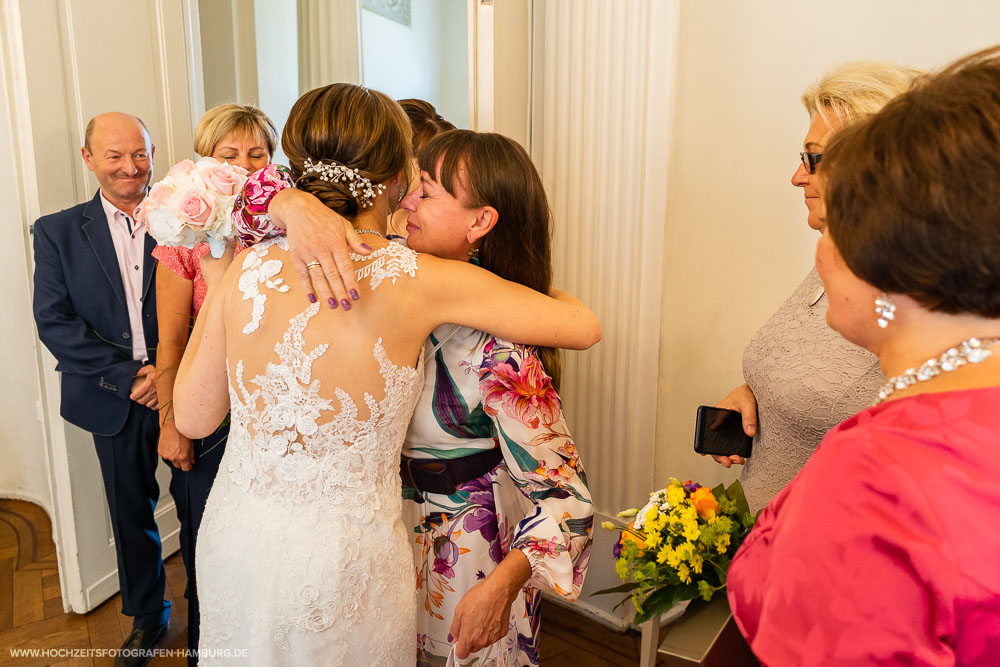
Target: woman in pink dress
884, 548
244, 136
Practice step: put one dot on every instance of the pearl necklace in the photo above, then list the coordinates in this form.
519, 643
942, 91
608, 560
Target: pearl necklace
370, 231
972, 351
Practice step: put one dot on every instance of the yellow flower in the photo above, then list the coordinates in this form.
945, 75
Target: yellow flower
697, 562
653, 538
664, 554
650, 516
722, 543
704, 502
658, 523
675, 495
684, 573
691, 529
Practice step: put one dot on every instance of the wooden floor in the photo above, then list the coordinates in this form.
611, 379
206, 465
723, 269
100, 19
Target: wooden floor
31, 614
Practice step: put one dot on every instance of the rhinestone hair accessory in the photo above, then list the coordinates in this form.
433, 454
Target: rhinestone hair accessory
885, 309
972, 351
331, 171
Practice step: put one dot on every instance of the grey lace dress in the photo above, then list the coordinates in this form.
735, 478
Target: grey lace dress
807, 379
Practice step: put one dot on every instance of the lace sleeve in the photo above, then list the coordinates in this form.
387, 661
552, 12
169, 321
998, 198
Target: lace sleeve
250, 218
556, 518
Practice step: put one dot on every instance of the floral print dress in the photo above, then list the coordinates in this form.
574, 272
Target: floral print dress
481, 392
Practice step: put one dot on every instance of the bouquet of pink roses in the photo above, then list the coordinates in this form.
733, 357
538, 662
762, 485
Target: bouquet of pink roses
193, 203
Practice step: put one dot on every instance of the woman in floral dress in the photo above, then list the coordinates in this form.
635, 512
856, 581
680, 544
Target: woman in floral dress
501, 508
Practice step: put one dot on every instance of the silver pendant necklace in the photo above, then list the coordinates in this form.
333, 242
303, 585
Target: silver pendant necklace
972, 351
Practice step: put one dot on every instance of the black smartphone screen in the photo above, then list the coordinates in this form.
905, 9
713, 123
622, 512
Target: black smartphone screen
719, 431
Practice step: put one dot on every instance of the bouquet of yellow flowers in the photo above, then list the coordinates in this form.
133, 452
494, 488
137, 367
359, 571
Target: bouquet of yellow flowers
679, 545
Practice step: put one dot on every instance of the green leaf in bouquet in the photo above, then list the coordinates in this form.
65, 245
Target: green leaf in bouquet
662, 600
735, 491
624, 588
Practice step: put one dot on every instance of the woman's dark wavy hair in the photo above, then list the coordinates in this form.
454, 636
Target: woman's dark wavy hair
913, 195
426, 122
496, 171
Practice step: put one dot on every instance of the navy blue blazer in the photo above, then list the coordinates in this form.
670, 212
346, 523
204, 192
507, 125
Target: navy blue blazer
82, 316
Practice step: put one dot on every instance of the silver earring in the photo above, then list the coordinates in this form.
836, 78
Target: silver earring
402, 193
885, 309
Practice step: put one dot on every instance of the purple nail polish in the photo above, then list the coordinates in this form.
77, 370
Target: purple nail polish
312, 298
345, 304
354, 295
332, 302
366, 246
450, 638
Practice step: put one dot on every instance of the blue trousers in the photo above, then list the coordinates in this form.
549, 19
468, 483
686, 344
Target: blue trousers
128, 464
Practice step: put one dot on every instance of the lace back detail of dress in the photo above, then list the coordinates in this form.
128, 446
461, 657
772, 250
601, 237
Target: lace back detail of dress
302, 548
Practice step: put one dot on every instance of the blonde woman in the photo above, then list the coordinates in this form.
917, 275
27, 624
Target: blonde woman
244, 136
802, 379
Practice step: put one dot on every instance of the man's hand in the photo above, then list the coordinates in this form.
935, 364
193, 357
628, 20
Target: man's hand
143, 390
174, 447
482, 616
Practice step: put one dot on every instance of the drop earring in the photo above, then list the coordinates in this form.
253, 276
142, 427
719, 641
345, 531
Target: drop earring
401, 193
473, 254
885, 309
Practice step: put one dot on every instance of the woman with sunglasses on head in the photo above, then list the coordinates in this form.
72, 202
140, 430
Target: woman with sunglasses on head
883, 550
502, 509
801, 378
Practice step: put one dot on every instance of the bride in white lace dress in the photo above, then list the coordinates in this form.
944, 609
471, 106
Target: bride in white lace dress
302, 556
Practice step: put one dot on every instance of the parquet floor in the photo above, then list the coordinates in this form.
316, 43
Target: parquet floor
31, 614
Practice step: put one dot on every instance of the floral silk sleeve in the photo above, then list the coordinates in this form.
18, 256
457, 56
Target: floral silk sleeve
549, 508
250, 218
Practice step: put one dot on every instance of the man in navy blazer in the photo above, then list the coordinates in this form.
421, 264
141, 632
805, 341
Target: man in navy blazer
95, 309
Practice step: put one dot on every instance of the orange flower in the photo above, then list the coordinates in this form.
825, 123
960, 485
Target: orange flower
703, 501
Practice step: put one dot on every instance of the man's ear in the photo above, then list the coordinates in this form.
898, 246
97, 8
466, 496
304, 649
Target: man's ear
88, 159
486, 218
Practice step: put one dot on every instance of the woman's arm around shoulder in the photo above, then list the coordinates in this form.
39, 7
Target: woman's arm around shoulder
458, 292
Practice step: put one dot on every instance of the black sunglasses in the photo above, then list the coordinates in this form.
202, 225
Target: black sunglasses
810, 160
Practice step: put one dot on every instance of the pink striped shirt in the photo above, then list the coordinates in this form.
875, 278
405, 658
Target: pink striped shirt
130, 249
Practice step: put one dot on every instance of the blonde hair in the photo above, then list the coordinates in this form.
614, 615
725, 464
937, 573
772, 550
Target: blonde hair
233, 119
857, 89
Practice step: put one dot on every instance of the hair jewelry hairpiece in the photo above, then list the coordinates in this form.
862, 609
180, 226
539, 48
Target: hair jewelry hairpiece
330, 171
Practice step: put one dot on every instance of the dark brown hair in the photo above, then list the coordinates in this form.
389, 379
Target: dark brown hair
913, 199
425, 121
357, 127
496, 171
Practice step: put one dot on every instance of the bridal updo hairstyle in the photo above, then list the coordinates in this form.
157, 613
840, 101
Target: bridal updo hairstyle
357, 127
912, 200
493, 170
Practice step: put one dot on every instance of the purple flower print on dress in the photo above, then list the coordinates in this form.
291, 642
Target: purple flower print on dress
483, 516
445, 556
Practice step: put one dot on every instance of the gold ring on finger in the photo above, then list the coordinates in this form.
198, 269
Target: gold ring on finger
312, 264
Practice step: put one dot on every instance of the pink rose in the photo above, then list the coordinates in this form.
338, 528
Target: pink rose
182, 168
196, 209
220, 177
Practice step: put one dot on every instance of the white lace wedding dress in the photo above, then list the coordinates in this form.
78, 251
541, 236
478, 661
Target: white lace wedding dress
302, 558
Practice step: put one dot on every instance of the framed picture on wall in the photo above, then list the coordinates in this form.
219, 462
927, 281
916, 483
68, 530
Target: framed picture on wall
397, 10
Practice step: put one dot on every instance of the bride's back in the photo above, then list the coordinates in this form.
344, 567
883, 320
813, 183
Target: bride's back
322, 395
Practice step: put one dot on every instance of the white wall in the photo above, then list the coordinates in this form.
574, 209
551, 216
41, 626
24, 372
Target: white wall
427, 60
736, 240
276, 27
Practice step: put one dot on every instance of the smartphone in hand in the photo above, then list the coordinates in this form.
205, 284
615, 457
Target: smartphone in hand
719, 431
